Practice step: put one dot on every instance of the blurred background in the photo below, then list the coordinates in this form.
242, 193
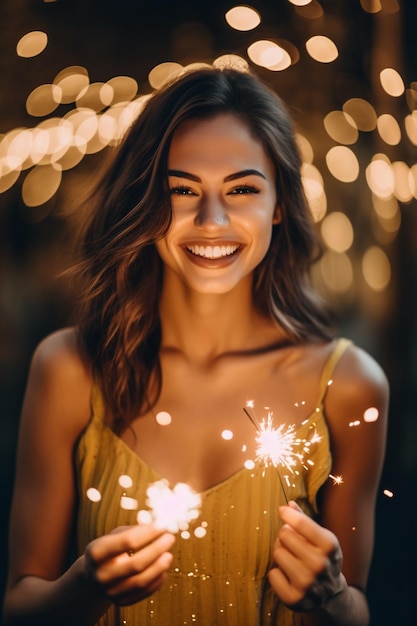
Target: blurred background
75, 73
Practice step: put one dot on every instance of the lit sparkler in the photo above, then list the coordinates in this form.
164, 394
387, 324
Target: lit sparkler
275, 445
170, 509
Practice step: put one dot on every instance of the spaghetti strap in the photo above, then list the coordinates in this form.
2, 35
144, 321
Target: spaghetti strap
96, 402
329, 368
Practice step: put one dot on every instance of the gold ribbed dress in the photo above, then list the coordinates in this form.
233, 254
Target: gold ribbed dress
219, 579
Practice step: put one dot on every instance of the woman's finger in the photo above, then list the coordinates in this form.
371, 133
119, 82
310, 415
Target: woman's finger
131, 563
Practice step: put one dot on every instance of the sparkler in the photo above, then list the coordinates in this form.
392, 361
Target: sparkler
275, 445
170, 509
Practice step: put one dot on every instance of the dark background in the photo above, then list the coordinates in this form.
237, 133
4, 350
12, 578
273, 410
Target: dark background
121, 37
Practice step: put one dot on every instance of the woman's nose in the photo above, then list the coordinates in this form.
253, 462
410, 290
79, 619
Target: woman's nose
211, 214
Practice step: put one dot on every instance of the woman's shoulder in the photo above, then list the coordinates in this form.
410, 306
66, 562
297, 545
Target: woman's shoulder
60, 353
358, 369
359, 383
60, 378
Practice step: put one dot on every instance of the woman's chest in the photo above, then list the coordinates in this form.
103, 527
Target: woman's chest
205, 426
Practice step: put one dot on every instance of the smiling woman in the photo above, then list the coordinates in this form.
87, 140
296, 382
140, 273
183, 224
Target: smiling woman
196, 303
224, 205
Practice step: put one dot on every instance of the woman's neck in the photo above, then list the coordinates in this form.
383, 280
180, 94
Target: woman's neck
204, 327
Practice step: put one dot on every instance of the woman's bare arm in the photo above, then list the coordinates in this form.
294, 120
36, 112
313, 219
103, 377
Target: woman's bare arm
326, 565
41, 590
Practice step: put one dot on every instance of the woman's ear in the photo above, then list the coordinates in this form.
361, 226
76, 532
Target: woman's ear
277, 216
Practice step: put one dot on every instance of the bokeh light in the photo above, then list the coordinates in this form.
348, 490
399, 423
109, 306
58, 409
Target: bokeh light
322, 49
342, 163
389, 129
72, 81
268, 54
376, 268
41, 184
32, 44
164, 72
243, 18
43, 100
336, 271
362, 112
337, 231
341, 127
380, 177
392, 82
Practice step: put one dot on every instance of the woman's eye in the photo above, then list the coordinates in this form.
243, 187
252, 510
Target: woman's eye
243, 190
181, 190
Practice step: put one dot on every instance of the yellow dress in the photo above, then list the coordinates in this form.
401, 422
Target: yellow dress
218, 579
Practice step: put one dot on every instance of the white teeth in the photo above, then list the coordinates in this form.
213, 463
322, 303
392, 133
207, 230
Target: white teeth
213, 252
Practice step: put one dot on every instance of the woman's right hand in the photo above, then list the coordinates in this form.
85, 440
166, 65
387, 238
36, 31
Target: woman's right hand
130, 563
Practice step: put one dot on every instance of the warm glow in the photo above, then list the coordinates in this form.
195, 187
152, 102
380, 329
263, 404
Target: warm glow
411, 127
312, 11
267, 54
411, 97
314, 190
336, 271
305, 148
41, 184
18, 148
392, 82
72, 156
402, 189
341, 127
124, 88
243, 18
371, 414
232, 61
32, 44
72, 81
59, 134
376, 268
337, 231
413, 179
362, 113
43, 100
96, 96
371, 6
322, 49
389, 129
163, 418
342, 164
8, 177
380, 177
300, 3
163, 72
387, 208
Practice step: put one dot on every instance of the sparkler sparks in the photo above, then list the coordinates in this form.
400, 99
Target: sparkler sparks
337, 480
170, 509
275, 445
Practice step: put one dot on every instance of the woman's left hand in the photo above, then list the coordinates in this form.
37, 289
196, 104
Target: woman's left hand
309, 561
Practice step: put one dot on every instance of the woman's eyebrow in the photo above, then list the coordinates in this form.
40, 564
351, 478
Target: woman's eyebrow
227, 179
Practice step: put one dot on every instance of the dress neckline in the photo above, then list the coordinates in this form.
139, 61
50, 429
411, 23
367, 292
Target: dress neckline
259, 467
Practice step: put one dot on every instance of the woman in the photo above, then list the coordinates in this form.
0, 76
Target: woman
196, 300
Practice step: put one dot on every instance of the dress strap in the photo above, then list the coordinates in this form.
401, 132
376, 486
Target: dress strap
329, 367
96, 402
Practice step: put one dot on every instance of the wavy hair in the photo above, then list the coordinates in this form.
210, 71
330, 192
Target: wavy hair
121, 272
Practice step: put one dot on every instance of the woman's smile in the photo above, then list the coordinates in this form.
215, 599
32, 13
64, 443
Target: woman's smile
223, 199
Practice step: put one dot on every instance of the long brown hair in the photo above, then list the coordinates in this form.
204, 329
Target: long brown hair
119, 324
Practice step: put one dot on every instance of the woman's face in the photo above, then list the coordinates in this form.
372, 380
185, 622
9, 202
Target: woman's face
223, 198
